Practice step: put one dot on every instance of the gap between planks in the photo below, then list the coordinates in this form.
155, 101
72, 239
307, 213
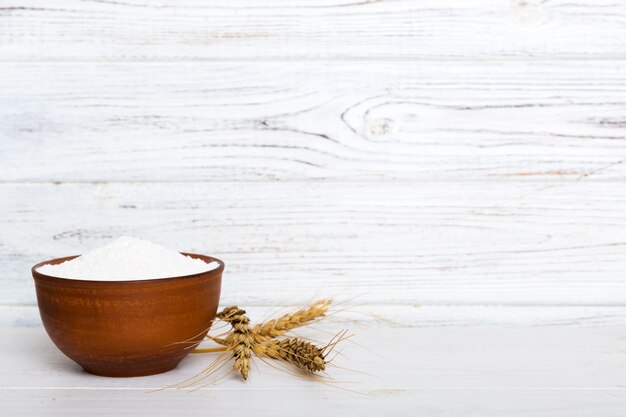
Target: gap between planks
511, 179
301, 59
356, 318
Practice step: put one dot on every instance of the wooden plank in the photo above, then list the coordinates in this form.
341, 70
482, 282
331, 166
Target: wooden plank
354, 316
266, 402
349, 121
487, 372
313, 29
396, 358
525, 243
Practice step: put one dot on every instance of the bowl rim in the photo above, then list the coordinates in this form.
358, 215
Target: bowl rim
216, 271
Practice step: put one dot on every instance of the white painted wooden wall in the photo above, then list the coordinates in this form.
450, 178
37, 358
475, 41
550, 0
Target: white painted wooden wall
453, 155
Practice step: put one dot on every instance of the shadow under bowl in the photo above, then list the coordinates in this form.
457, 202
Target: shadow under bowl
128, 328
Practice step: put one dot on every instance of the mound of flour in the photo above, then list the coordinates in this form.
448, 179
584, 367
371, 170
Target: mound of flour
128, 258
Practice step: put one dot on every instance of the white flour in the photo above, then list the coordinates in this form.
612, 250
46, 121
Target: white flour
128, 258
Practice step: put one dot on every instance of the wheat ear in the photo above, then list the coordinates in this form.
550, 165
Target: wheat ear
281, 325
242, 339
294, 351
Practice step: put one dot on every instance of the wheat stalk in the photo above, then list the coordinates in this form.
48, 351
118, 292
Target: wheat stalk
242, 340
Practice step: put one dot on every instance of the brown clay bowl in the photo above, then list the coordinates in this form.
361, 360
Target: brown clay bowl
128, 328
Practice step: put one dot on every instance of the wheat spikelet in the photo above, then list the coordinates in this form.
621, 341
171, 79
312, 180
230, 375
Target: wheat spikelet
281, 325
242, 341
294, 351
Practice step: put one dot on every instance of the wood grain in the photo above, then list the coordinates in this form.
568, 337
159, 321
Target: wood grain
435, 121
448, 154
523, 243
143, 30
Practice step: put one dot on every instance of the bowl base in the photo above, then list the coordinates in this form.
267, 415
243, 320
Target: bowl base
119, 373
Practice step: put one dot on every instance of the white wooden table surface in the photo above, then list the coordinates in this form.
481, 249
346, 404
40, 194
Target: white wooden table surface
445, 371
458, 165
